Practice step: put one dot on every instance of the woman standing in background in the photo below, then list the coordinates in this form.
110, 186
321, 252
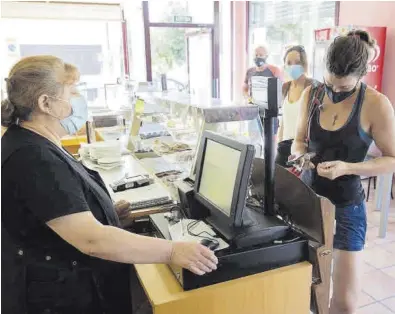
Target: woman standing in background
296, 67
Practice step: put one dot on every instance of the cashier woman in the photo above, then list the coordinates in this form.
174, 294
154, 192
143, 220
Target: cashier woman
339, 124
63, 250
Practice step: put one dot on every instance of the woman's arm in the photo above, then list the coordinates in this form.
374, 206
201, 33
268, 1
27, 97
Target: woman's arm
88, 235
299, 143
245, 90
245, 85
383, 133
280, 131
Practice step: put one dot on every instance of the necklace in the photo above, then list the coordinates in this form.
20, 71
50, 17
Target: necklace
334, 119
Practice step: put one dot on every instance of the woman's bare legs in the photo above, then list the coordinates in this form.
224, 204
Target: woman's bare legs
346, 282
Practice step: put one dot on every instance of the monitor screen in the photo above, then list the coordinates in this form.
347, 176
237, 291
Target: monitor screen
218, 175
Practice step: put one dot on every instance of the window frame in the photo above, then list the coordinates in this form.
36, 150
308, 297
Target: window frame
214, 27
248, 20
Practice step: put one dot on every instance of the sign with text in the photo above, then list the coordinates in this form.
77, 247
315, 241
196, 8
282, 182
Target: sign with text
182, 19
266, 93
259, 86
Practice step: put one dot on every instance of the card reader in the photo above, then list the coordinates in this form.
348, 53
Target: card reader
127, 183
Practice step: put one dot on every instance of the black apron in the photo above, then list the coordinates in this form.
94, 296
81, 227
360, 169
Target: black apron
35, 281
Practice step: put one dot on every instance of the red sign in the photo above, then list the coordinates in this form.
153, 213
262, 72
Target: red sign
322, 34
374, 76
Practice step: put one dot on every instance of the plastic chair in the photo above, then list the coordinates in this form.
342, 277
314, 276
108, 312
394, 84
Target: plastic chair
374, 152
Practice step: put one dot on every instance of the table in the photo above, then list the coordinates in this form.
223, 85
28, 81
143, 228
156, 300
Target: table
382, 201
283, 290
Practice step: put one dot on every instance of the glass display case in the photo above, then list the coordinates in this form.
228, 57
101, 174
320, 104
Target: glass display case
171, 125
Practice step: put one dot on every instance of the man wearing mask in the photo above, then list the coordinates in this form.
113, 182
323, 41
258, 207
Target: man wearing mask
261, 68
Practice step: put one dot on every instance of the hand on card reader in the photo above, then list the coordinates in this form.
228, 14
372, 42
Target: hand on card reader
133, 182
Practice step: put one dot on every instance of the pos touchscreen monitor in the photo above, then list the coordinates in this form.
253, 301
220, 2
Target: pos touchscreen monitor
223, 169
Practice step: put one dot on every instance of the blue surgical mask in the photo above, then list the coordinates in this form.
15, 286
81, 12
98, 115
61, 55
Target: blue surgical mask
294, 71
79, 115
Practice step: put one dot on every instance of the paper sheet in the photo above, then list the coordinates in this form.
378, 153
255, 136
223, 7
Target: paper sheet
179, 232
159, 165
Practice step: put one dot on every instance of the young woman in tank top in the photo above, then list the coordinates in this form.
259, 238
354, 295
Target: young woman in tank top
339, 125
295, 66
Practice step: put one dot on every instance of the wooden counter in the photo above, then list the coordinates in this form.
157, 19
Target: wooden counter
284, 290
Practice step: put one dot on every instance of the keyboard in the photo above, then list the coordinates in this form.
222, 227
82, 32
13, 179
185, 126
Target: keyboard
150, 203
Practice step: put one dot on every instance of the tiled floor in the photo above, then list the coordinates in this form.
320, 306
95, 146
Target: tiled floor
378, 295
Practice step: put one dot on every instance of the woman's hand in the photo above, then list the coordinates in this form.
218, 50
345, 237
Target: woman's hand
301, 162
123, 209
194, 257
332, 169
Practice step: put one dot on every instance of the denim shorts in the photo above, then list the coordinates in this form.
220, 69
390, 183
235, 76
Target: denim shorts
351, 224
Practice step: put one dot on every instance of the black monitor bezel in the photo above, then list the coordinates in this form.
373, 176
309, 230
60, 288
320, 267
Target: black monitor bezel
242, 178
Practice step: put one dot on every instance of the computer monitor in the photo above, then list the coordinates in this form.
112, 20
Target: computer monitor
223, 169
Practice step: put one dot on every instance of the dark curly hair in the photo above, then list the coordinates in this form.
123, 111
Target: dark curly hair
349, 55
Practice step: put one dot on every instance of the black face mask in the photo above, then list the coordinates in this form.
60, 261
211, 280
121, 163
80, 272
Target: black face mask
337, 97
260, 61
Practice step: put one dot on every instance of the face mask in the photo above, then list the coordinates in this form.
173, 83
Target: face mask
294, 71
260, 61
79, 115
337, 97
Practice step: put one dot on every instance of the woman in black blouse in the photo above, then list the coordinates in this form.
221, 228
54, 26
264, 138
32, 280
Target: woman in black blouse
63, 250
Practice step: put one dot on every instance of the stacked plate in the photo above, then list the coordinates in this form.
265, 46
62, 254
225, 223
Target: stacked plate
107, 153
109, 161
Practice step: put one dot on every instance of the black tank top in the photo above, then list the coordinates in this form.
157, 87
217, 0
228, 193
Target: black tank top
350, 144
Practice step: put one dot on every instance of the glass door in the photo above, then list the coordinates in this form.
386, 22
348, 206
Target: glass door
199, 60
185, 56
179, 42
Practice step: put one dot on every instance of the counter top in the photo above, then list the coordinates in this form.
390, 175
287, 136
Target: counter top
280, 291
132, 167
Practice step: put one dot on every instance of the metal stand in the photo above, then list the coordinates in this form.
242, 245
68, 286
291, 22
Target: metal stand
266, 93
268, 122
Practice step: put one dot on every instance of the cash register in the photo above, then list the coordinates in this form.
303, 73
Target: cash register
266, 215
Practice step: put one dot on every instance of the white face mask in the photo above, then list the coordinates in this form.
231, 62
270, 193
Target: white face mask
79, 115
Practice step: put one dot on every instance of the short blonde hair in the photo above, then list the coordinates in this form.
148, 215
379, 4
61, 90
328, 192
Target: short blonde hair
262, 46
30, 78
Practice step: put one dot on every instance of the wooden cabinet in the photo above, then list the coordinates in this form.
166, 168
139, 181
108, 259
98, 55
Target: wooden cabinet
284, 290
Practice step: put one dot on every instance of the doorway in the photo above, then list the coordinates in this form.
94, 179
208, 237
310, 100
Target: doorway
182, 49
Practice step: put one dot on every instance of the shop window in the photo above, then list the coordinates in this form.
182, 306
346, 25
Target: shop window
95, 47
279, 24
